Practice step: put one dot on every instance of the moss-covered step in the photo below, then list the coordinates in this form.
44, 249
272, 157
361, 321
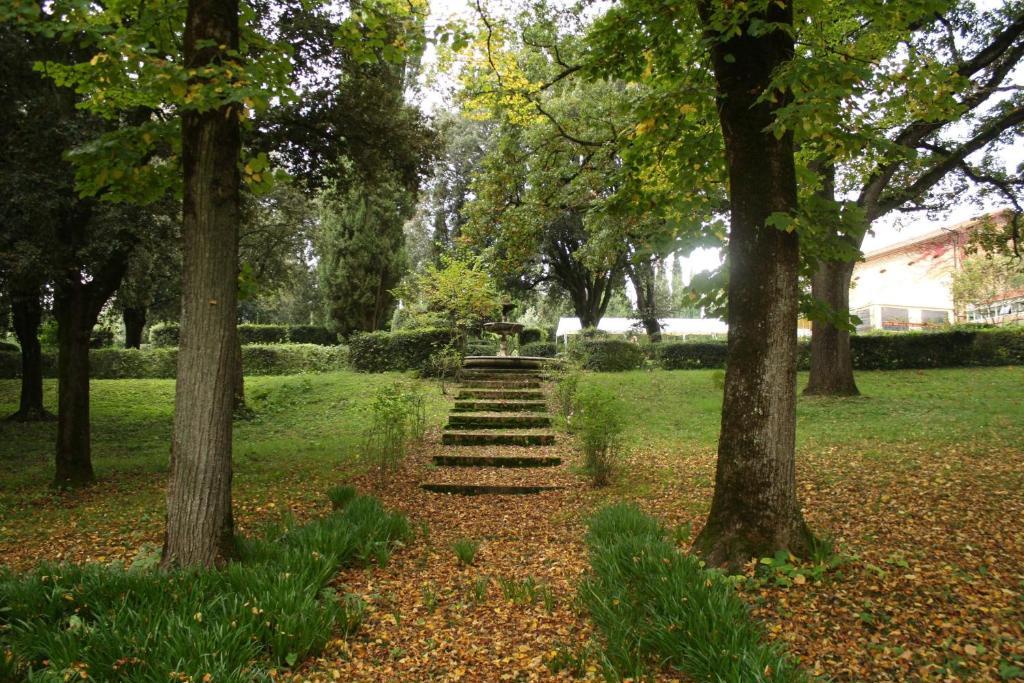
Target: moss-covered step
498, 421
486, 489
490, 394
501, 384
499, 406
449, 460
494, 437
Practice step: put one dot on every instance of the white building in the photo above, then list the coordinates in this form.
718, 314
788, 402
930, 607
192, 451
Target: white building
908, 285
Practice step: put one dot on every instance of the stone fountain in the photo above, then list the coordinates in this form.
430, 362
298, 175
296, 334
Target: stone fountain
504, 329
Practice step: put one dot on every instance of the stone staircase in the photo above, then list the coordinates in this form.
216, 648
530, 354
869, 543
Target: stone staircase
499, 420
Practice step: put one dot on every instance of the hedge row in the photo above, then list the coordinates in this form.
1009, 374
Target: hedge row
166, 334
400, 350
541, 349
606, 355
897, 351
279, 359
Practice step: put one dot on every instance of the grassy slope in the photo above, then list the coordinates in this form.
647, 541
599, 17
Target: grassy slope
305, 428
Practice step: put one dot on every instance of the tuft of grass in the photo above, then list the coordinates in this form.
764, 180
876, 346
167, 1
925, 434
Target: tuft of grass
656, 605
465, 549
271, 608
567, 385
340, 496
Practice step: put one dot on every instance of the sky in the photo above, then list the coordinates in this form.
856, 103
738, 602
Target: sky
891, 229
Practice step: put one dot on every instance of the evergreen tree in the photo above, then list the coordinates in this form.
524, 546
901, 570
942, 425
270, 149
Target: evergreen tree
361, 246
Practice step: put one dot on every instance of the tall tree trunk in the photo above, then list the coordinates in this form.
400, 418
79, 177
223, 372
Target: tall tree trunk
27, 311
755, 510
134, 323
200, 529
831, 359
74, 328
643, 275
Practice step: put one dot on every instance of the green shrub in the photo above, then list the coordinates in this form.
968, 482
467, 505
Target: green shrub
101, 338
530, 335
606, 355
292, 359
657, 606
9, 347
312, 334
541, 349
465, 549
272, 608
249, 333
133, 363
481, 347
397, 415
691, 355
402, 350
444, 365
599, 422
164, 334
567, 384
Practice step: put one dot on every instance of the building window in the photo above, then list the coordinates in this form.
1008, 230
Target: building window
895, 319
933, 318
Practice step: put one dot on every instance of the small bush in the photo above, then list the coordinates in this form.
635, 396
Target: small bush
340, 496
655, 605
292, 359
531, 335
567, 384
271, 608
481, 347
397, 415
607, 355
164, 334
445, 365
541, 349
600, 424
402, 350
465, 549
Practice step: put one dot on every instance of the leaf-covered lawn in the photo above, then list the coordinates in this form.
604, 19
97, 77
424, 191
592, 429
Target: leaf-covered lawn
920, 483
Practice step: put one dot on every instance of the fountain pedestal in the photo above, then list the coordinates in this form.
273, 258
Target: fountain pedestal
504, 330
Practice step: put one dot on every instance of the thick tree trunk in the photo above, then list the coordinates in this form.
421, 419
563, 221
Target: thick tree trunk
200, 530
75, 321
27, 311
831, 359
134, 323
755, 510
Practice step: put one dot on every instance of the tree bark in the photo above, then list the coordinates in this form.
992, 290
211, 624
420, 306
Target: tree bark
755, 510
831, 359
74, 328
200, 529
643, 277
27, 310
134, 323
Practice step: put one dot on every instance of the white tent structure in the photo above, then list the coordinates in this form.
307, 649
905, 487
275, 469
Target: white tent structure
674, 326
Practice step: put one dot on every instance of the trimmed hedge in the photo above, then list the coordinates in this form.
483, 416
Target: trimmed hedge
530, 335
481, 347
279, 359
167, 334
401, 350
542, 349
607, 355
892, 351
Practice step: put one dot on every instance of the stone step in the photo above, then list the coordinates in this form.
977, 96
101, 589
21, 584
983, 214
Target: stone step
500, 372
499, 406
505, 362
521, 394
486, 489
448, 460
498, 421
489, 437
501, 384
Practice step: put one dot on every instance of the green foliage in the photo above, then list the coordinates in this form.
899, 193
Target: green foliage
982, 279
401, 350
656, 606
481, 347
691, 355
340, 496
465, 549
272, 608
166, 334
396, 416
530, 335
460, 291
542, 349
445, 365
567, 384
606, 355
599, 422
